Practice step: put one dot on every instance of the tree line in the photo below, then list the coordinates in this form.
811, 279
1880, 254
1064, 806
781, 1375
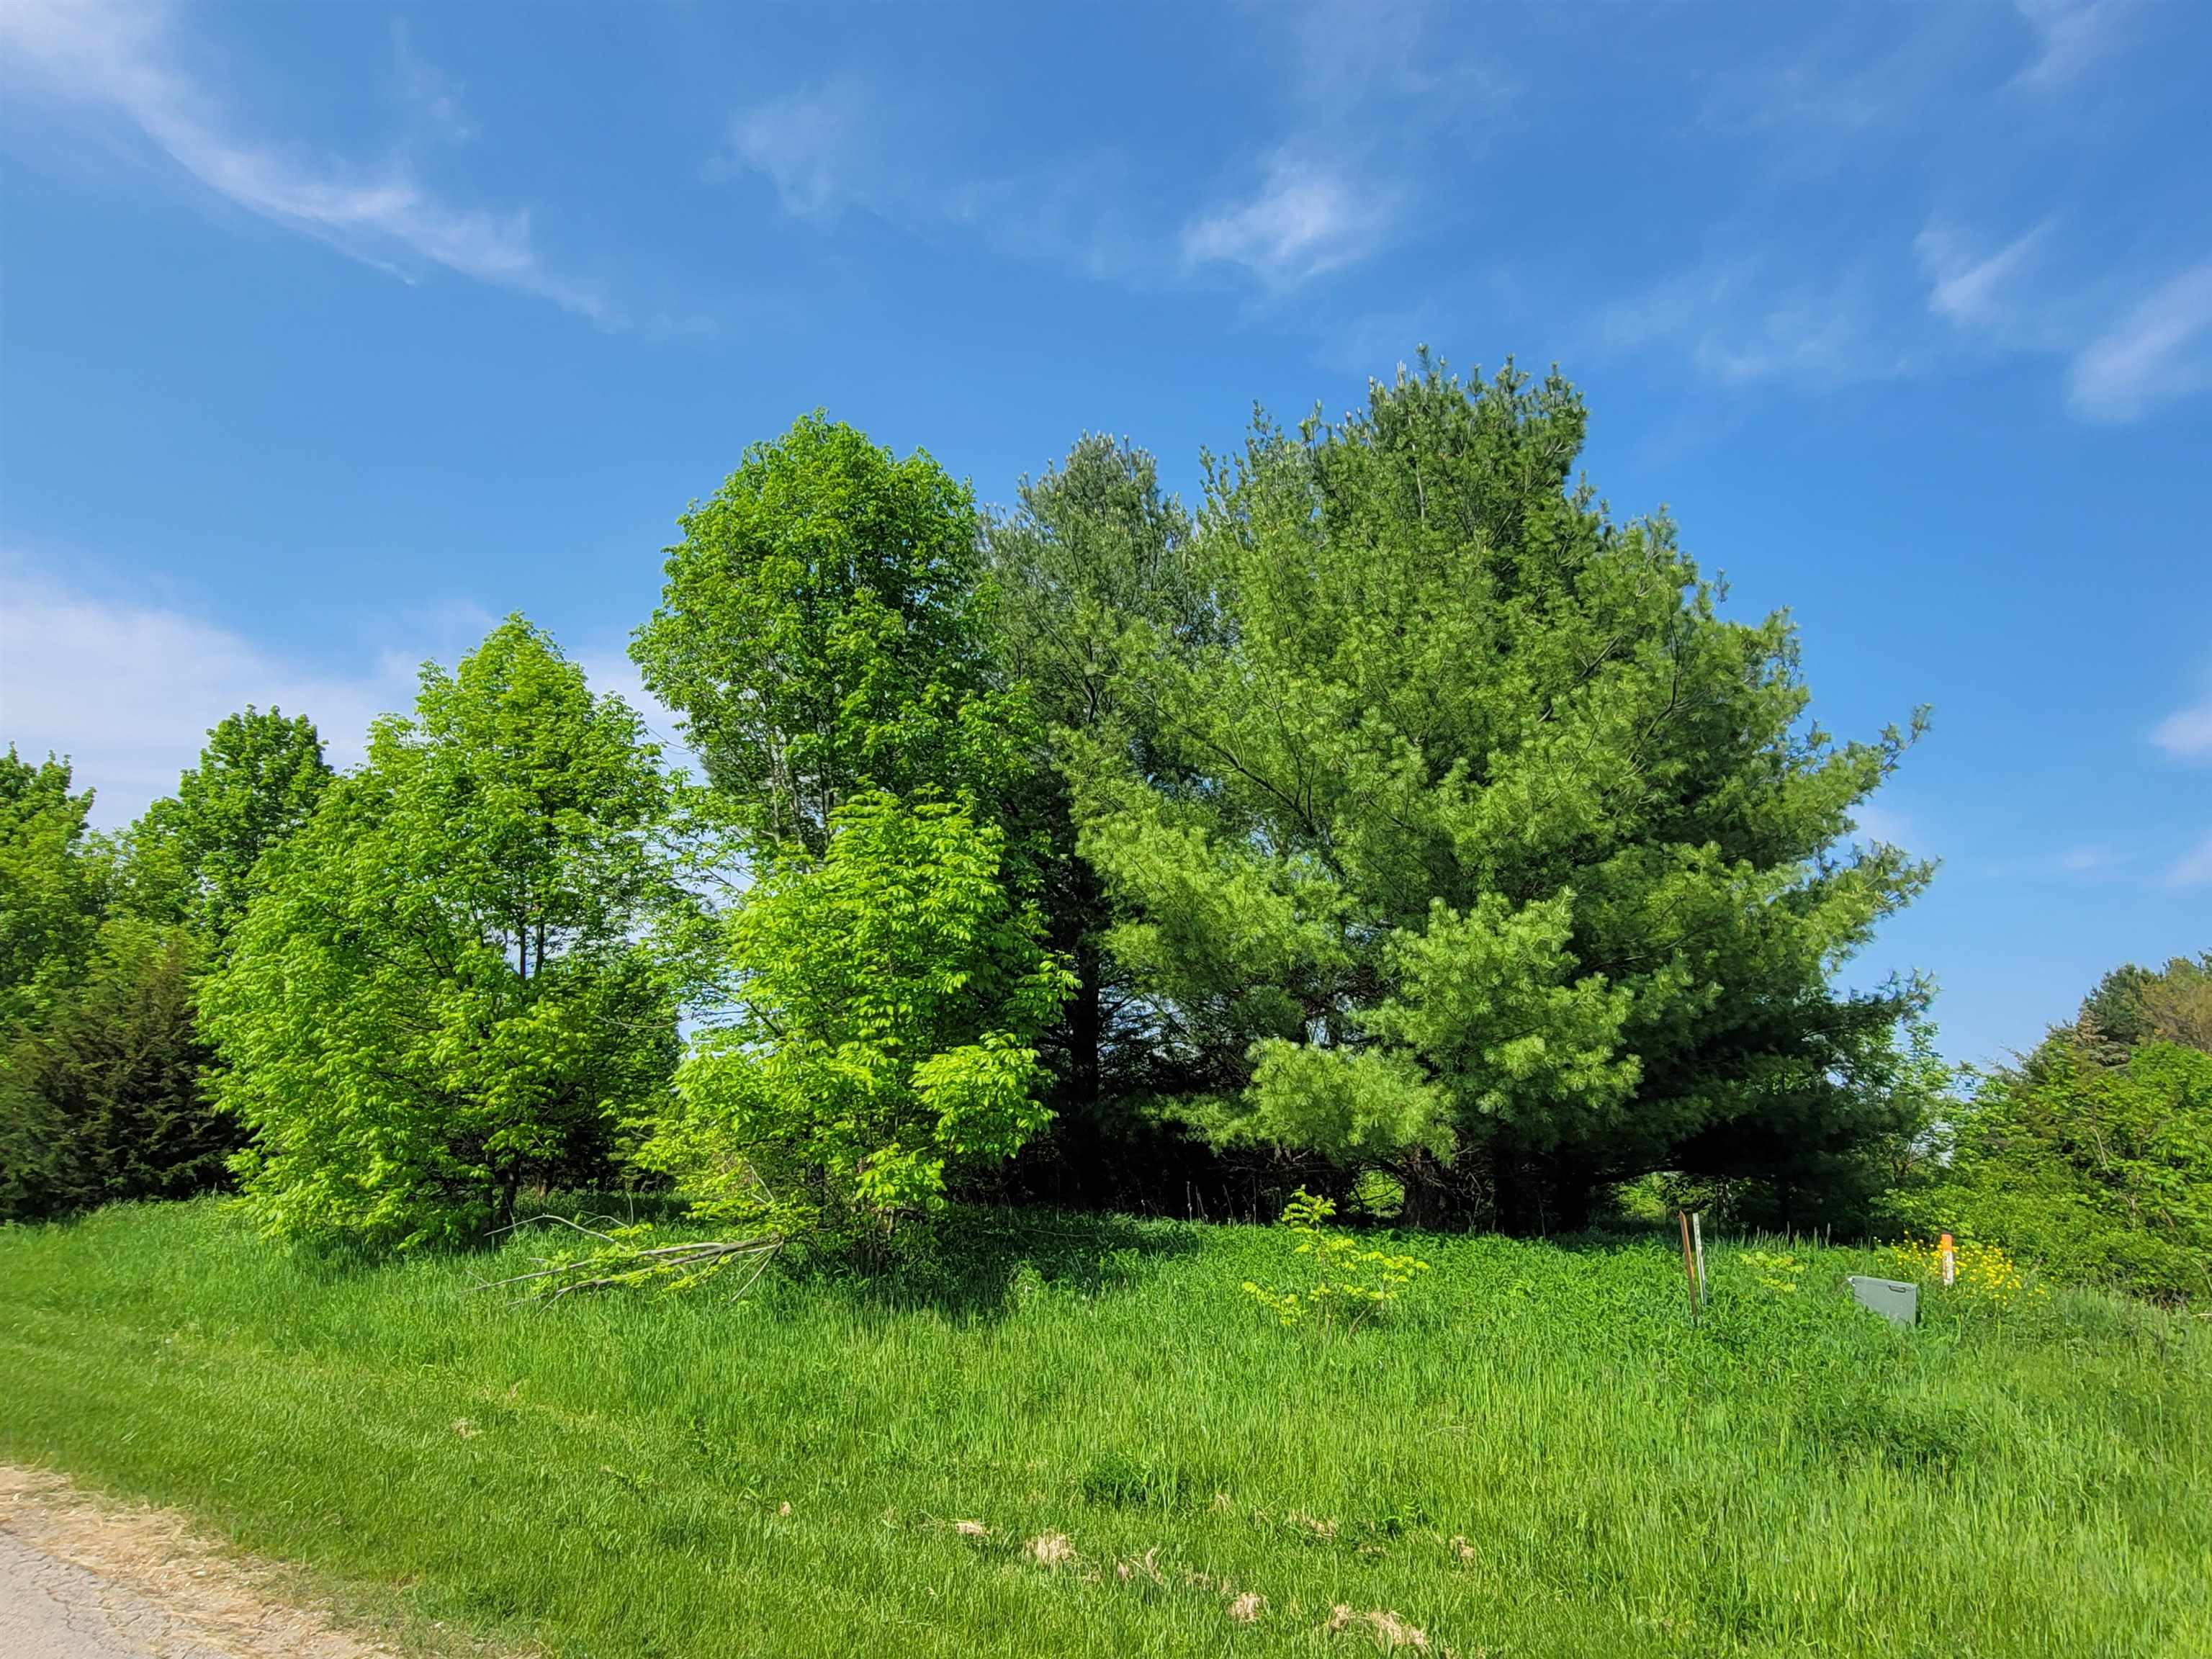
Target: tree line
1396, 823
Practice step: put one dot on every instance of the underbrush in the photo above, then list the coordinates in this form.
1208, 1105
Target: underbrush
1081, 1435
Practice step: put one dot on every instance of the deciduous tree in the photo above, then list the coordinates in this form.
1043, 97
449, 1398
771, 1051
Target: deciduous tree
193, 856
882, 1040
822, 634
462, 976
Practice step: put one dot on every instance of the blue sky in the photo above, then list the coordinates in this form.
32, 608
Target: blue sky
329, 333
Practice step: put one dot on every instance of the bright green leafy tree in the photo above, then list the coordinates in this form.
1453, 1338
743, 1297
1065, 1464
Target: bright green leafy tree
1475, 844
822, 633
53, 884
890, 996
462, 976
2095, 1171
193, 856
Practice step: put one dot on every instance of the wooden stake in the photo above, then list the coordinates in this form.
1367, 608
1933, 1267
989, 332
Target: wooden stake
1689, 1264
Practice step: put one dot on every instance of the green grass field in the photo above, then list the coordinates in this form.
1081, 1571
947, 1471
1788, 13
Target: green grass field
1536, 1455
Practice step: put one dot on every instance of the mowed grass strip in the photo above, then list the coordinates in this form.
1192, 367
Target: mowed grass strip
1536, 1454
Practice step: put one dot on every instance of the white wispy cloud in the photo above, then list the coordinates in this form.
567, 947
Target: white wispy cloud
1303, 220
426, 90
819, 145
1979, 290
2159, 350
2186, 733
122, 56
128, 689
1373, 90
2125, 357
1736, 324
2070, 35
2194, 867
850, 143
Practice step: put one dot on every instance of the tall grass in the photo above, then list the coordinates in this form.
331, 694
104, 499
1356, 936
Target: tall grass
1537, 1453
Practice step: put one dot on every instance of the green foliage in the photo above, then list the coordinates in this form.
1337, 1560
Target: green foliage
463, 974
52, 886
2094, 1172
822, 634
1777, 1272
889, 995
1348, 1283
1092, 565
192, 857
101, 1098
1472, 830
100, 1062
2133, 1006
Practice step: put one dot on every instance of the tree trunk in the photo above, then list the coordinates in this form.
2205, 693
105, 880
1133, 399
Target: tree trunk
1086, 1027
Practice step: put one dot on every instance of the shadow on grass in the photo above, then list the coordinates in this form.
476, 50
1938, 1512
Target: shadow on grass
981, 1262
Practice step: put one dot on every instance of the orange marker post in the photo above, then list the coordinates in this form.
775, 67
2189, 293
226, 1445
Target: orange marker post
1948, 1255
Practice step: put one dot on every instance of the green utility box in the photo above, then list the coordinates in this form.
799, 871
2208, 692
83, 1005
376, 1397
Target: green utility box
1894, 1299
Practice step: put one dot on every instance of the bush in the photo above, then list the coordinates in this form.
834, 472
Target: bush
2095, 1173
890, 996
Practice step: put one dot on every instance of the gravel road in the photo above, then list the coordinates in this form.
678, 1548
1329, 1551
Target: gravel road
53, 1609
83, 1576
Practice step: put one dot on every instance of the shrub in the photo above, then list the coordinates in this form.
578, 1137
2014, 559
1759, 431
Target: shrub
889, 995
2096, 1173
1349, 1283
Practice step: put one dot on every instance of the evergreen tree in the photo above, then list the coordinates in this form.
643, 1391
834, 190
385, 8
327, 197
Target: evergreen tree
101, 1100
1472, 842
1093, 563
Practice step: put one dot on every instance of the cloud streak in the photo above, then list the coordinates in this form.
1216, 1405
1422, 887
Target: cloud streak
1739, 327
2195, 867
121, 57
2123, 359
2069, 36
2158, 351
1304, 220
2186, 733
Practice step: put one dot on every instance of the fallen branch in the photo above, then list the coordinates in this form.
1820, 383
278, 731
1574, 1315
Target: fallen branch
618, 1263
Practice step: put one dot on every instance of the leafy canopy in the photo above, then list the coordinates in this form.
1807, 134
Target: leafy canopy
822, 634
463, 974
52, 884
2094, 1171
889, 995
193, 856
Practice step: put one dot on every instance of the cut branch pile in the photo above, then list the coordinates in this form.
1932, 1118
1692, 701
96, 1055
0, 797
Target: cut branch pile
622, 1262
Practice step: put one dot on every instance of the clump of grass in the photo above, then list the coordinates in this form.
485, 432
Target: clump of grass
1539, 1454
